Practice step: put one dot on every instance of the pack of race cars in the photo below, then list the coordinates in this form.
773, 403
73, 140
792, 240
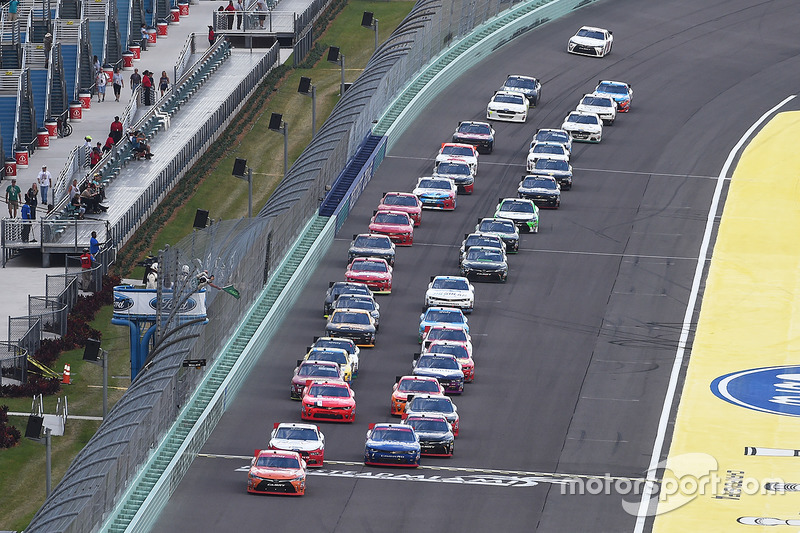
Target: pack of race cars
430, 420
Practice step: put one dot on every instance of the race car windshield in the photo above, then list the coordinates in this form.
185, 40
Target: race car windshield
344, 289
548, 149
612, 89
296, 434
582, 119
318, 371
343, 317
539, 183
369, 266
444, 363
591, 34
450, 284
521, 83
597, 102
508, 99
418, 385
453, 168
430, 425
474, 129
459, 351
517, 207
355, 303
396, 199
320, 391
276, 461
497, 227
396, 435
551, 164
483, 240
440, 405
333, 357
552, 136
434, 184
342, 344
458, 150
447, 334
392, 218
373, 242
484, 256
443, 316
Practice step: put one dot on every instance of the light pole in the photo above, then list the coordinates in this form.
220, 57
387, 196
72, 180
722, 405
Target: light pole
239, 169
368, 20
92, 353
335, 56
307, 89
277, 124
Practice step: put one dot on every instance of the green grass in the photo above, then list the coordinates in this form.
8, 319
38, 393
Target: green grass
22, 468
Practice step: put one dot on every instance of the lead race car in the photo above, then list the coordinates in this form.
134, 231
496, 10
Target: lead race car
591, 41
277, 472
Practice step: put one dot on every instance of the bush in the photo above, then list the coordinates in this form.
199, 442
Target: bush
9, 435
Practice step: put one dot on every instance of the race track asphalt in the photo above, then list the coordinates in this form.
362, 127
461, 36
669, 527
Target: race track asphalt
573, 354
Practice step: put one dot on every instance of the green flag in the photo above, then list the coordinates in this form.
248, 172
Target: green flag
230, 289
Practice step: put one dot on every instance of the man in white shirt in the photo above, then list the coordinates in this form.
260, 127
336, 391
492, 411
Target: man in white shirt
73, 189
45, 180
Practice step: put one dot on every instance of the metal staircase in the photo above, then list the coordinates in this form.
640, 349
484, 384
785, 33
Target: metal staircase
56, 101
94, 13
67, 33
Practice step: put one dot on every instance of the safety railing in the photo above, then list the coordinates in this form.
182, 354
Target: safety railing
52, 314
254, 20
25, 332
13, 363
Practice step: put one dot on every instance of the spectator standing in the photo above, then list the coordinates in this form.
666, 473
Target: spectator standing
13, 8
261, 7
94, 244
136, 79
87, 150
239, 12
73, 189
96, 155
163, 82
147, 87
32, 199
26, 225
151, 277
110, 142
118, 82
86, 269
143, 32
211, 35
45, 180
116, 130
13, 193
101, 80
47, 44
96, 66
230, 9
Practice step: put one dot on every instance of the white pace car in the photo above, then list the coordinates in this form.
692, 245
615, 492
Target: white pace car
584, 127
604, 106
507, 105
591, 41
546, 150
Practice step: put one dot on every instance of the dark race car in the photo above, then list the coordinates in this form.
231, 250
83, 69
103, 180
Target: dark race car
481, 262
335, 289
444, 367
354, 324
543, 190
560, 170
392, 444
503, 228
436, 437
527, 85
478, 134
306, 370
371, 245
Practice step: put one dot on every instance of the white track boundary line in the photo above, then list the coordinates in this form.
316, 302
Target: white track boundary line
666, 409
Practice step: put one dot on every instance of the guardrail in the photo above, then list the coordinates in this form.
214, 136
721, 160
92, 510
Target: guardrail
13, 363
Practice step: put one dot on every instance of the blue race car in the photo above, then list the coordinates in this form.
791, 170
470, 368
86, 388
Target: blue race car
392, 444
621, 92
441, 316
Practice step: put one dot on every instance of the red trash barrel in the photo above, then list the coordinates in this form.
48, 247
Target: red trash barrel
161, 28
85, 100
175, 15
136, 50
11, 168
108, 70
22, 158
43, 138
183, 7
127, 60
52, 128
151, 36
76, 111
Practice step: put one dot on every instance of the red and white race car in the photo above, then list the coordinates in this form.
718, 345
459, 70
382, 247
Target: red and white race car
402, 201
374, 272
463, 151
305, 439
408, 385
397, 225
328, 400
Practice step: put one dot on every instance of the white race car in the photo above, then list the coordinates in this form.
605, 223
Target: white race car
553, 136
305, 439
546, 150
590, 41
450, 291
467, 152
436, 193
603, 106
507, 105
585, 127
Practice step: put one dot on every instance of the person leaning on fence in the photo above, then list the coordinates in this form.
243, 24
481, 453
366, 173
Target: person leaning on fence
32, 199
86, 269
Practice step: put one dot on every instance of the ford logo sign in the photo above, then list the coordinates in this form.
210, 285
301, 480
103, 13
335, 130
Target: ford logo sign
167, 304
122, 303
774, 389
